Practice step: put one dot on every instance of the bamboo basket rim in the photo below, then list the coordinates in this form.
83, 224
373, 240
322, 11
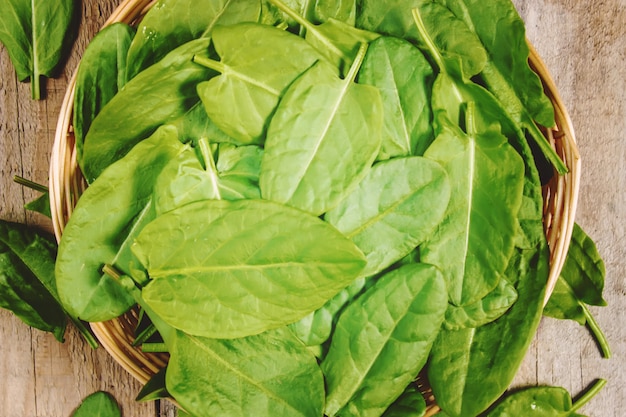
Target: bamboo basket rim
66, 184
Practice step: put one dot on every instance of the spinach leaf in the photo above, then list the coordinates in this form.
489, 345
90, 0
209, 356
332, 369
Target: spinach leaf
105, 221
410, 403
581, 282
318, 115
27, 286
242, 267
270, 374
320, 11
37, 34
100, 75
543, 402
337, 41
395, 208
187, 178
171, 23
257, 64
470, 368
161, 94
483, 311
451, 35
398, 317
474, 242
98, 404
404, 78
501, 31
195, 124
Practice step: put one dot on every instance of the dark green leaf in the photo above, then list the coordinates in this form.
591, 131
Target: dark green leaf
40, 205
98, 404
160, 95
410, 403
242, 267
37, 34
101, 74
171, 23
398, 317
155, 388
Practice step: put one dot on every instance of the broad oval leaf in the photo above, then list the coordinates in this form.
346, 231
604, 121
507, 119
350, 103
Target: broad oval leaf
393, 210
539, 401
242, 267
474, 242
266, 375
98, 404
36, 34
398, 317
404, 78
258, 63
322, 140
100, 75
160, 95
170, 23
107, 217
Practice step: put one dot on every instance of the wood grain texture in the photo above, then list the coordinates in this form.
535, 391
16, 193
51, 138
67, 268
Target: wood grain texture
583, 45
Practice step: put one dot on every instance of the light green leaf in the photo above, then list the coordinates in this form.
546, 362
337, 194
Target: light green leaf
398, 317
242, 267
393, 210
322, 140
98, 404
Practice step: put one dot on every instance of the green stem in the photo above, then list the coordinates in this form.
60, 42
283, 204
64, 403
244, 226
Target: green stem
210, 63
36, 87
84, 331
154, 347
597, 332
145, 335
30, 184
356, 64
588, 394
434, 51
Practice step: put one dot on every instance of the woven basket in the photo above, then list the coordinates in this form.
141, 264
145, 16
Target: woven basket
67, 184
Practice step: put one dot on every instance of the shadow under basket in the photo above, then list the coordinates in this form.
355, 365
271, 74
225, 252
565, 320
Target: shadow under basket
116, 336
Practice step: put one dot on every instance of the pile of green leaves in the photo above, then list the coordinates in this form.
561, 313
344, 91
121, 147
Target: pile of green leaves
313, 202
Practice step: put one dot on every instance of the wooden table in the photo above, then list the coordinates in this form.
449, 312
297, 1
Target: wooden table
583, 44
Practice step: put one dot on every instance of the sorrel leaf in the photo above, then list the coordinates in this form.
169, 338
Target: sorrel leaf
37, 34
322, 140
242, 267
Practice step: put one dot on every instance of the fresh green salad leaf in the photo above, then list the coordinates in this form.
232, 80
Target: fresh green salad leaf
319, 115
410, 403
242, 267
103, 225
171, 23
160, 95
100, 75
37, 35
98, 404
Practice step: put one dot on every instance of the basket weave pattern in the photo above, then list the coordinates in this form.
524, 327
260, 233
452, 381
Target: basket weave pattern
116, 336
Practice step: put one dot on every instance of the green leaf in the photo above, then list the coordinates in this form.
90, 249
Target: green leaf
322, 140
410, 403
100, 75
27, 286
257, 64
160, 95
155, 388
267, 375
37, 35
455, 41
483, 311
475, 240
40, 205
543, 401
404, 78
171, 23
188, 178
98, 404
242, 267
105, 221
394, 209
398, 317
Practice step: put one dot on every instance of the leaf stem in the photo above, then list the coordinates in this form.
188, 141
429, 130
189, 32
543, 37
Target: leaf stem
356, 64
434, 51
145, 335
30, 184
597, 332
591, 392
87, 335
154, 347
210, 63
